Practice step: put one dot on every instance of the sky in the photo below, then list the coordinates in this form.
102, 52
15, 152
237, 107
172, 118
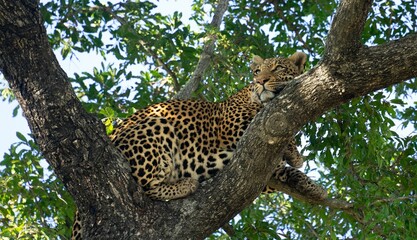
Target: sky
85, 63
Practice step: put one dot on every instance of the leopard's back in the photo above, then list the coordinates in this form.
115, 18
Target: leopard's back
179, 139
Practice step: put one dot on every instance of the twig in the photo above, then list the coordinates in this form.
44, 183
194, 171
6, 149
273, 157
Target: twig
313, 231
208, 49
387, 200
155, 57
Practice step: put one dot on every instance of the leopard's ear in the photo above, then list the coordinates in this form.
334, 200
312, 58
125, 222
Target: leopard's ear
256, 61
299, 59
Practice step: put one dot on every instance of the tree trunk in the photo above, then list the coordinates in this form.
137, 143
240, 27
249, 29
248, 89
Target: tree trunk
111, 204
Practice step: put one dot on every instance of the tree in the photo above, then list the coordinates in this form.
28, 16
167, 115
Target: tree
342, 94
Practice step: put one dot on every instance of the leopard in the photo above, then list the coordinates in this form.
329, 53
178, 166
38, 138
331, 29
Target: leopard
175, 145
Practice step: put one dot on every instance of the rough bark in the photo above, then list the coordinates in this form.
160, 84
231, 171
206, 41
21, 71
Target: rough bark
112, 206
344, 36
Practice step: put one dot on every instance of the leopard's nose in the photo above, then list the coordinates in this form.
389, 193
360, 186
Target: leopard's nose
262, 79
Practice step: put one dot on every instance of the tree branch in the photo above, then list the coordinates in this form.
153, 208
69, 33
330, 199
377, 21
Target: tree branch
394, 199
164, 66
345, 32
208, 49
73, 142
332, 83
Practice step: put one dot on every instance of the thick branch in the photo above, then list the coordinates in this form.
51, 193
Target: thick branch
73, 142
208, 49
344, 36
330, 84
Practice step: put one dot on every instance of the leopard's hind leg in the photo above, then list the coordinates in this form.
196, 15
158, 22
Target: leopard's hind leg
169, 191
76, 227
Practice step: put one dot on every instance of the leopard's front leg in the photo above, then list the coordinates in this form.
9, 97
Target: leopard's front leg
292, 156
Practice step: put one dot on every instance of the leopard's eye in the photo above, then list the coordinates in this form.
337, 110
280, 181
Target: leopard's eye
278, 68
256, 72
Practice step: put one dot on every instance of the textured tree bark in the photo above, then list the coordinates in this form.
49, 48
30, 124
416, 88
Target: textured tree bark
112, 206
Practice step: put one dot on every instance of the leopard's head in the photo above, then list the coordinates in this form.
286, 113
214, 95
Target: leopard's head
272, 74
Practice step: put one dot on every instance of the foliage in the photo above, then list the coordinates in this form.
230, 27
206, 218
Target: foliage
33, 203
364, 151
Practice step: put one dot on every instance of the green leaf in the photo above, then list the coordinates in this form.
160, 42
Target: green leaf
21, 137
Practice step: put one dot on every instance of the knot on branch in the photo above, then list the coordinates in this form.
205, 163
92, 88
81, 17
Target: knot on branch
276, 126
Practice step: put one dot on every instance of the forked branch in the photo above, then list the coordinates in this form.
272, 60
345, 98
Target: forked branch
345, 32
